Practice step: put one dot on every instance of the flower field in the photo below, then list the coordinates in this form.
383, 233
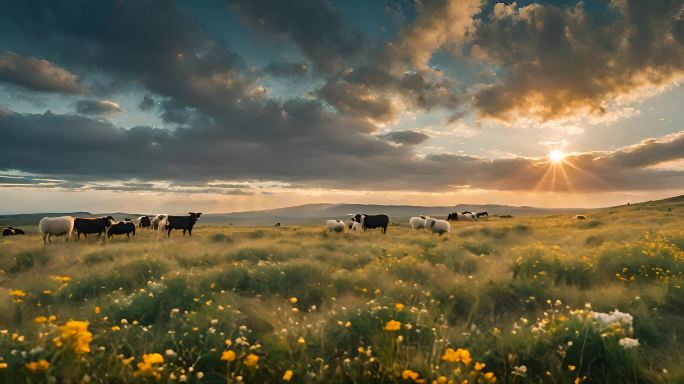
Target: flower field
520, 300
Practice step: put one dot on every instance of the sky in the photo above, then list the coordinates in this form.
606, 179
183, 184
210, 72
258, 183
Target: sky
220, 106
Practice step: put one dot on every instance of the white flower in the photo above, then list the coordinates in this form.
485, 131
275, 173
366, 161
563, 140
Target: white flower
628, 343
520, 371
170, 353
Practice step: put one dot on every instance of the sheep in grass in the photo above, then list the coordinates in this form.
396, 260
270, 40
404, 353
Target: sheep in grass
440, 227
418, 222
56, 226
355, 227
335, 226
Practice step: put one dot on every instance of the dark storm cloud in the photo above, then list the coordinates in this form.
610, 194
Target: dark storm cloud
37, 74
405, 137
68, 145
97, 107
565, 60
318, 30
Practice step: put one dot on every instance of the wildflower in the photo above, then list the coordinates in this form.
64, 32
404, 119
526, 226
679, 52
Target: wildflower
61, 279
409, 374
520, 371
38, 366
127, 361
628, 343
116, 328
52, 318
251, 360
293, 300
479, 366
392, 325
228, 342
3, 365
40, 320
571, 368
17, 293
301, 340
490, 376
200, 375
578, 380
150, 365
287, 376
399, 306
228, 356
459, 355
442, 380
47, 292
170, 353
77, 332
347, 324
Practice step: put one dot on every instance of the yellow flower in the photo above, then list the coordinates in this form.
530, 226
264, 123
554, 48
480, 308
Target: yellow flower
38, 366
228, 342
571, 367
442, 380
97, 310
228, 356
47, 292
62, 279
459, 355
578, 380
52, 318
301, 340
347, 324
399, 306
58, 342
409, 374
17, 293
392, 325
293, 300
490, 376
149, 367
116, 328
479, 366
3, 365
77, 332
127, 361
41, 320
251, 360
287, 376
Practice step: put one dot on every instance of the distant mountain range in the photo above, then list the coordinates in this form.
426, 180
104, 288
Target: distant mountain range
315, 213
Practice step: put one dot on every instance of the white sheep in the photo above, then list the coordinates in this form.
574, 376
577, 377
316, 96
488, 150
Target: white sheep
155, 220
335, 225
355, 227
428, 222
418, 222
56, 226
440, 226
162, 223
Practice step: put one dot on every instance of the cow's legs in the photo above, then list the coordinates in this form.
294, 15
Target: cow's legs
168, 232
183, 231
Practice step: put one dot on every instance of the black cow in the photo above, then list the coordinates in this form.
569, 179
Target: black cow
482, 214
88, 226
182, 222
277, 224
372, 221
121, 228
9, 231
452, 216
145, 222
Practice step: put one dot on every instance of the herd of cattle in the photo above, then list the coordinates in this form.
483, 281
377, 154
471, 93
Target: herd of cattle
108, 226
362, 221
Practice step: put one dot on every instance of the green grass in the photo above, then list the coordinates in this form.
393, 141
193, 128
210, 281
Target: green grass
513, 293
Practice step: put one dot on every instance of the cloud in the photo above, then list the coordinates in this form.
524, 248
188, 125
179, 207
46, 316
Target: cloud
405, 137
76, 148
147, 103
287, 69
560, 61
97, 107
37, 74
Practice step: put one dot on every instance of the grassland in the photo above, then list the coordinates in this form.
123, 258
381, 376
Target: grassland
527, 299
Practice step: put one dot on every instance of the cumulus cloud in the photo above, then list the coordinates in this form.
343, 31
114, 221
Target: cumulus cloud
37, 74
405, 137
572, 60
97, 107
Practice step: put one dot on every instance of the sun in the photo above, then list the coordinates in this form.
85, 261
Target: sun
556, 156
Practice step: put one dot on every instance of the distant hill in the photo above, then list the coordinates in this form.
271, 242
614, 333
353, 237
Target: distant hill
315, 213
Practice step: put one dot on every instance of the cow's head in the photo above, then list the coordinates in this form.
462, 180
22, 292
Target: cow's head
195, 216
108, 221
357, 218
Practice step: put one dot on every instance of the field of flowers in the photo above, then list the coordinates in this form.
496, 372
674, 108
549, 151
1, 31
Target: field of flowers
528, 299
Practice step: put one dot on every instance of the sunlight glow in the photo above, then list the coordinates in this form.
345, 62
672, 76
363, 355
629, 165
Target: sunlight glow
556, 156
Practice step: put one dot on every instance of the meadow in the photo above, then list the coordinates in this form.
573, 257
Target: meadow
546, 299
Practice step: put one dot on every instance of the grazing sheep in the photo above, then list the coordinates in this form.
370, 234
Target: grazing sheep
440, 227
162, 224
581, 217
428, 223
418, 222
56, 226
335, 225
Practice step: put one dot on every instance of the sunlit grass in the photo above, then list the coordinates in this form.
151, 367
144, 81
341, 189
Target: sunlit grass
516, 300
